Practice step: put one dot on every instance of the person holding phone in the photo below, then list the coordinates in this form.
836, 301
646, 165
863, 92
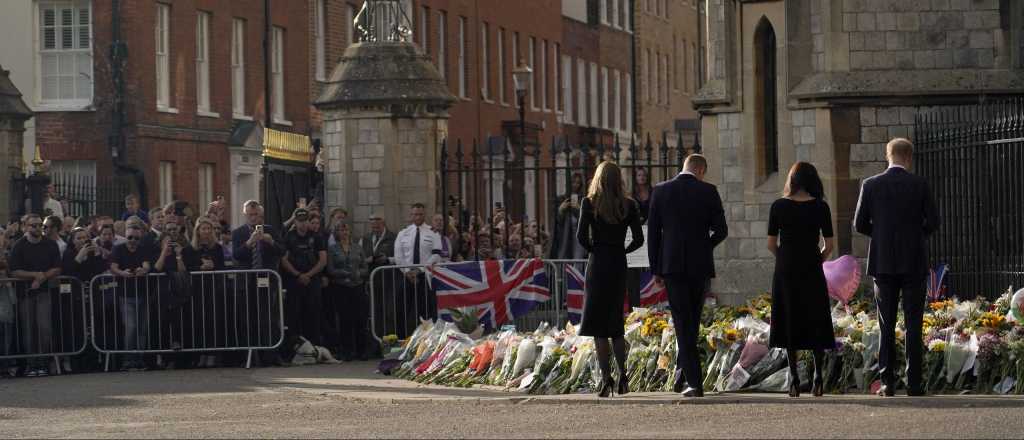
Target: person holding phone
565, 246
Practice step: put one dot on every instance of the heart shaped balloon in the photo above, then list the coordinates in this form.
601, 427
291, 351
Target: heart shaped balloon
1017, 307
843, 277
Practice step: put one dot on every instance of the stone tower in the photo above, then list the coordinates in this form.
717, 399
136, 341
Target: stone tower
385, 113
13, 114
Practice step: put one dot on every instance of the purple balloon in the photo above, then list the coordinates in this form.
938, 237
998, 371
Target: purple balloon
843, 277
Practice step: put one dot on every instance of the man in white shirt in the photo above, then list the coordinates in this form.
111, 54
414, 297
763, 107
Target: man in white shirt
51, 203
417, 245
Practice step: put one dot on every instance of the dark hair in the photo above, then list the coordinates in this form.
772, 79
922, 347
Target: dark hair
803, 176
418, 205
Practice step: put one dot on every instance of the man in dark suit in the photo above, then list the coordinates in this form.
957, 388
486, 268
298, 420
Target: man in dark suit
379, 248
258, 246
686, 222
896, 209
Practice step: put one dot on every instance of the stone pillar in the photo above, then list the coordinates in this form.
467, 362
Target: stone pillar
385, 113
13, 114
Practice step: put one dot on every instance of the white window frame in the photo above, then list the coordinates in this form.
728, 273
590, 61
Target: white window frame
442, 44
501, 67
319, 38
81, 77
544, 75
238, 69
485, 62
566, 79
557, 80
203, 65
595, 117
613, 21
163, 55
277, 75
205, 181
581, 94
602, 11
463, 77
530, 59
605, 123
166, 185
614, 100
628, 103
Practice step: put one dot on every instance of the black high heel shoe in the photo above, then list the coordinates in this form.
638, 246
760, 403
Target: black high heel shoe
605, 389
623, 387
818, 386
794, 386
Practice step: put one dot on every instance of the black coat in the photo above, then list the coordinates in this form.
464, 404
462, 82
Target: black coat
686, 222
897, 210
386, 248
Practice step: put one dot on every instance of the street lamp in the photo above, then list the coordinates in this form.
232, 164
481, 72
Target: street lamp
521, 76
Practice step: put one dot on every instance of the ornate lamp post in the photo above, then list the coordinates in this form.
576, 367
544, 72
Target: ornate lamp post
521, 76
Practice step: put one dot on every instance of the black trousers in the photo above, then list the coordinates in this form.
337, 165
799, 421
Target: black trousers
686, 299
889, 291
354, 310
303, 311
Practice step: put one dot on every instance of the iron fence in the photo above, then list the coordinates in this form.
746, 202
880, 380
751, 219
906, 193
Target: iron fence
971, 156
487, 185
88, 195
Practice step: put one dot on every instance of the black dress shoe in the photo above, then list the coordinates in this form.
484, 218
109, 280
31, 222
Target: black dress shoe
887, 391
915, 392
693, 392
680, 383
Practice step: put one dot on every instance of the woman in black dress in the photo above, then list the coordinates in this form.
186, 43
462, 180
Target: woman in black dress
798, 224
604, 216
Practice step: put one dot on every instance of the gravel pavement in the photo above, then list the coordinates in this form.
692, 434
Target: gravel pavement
350, 401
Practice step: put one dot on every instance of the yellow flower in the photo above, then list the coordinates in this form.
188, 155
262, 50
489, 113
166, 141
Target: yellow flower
732, 335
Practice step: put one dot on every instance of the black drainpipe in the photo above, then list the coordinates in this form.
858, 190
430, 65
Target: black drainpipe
635, 77
267, 62
116, 140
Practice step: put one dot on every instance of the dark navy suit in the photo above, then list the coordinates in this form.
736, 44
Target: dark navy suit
686, 222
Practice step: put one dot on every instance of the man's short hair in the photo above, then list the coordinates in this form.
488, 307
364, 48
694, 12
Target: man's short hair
339, 210
130, 198
251, 204
901, 148
132, 227
418, 205
155, 212
55, 220
109, 226
695, 162
28, 217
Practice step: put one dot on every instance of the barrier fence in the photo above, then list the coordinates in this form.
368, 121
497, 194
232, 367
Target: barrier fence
401, 295
232, 310
42, 321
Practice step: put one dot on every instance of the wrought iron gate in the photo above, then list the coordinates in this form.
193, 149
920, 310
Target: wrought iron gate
972, 157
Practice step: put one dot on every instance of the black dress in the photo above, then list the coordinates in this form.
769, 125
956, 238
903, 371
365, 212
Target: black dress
801, 319
606, 269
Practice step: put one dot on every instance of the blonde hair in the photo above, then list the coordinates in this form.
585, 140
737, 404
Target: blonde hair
606, 193
195, 231
900, 148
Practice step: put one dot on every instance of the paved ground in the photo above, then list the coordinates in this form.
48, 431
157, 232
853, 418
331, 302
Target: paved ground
350, 401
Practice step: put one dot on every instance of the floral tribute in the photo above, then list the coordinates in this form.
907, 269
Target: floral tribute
972, 346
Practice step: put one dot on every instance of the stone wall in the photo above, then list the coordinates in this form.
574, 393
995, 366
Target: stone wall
922, 34
379, 164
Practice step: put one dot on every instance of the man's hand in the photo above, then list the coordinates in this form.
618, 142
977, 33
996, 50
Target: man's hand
411, 275
38, 279
141, 272
304, 279
207, 264
267, 238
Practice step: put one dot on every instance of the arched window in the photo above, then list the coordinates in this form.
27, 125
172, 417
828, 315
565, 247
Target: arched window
767, 116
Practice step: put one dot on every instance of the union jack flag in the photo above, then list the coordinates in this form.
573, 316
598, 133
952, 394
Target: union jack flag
500, 290
936, 282
574, 286
651, 294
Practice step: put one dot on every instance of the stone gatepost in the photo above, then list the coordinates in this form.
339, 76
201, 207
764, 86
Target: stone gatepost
13, 114
385, 113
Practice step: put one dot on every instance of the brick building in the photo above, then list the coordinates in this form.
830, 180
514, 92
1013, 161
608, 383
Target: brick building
193, 70
597, 71
666, 65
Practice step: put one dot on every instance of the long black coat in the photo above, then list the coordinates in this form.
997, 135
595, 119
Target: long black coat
686, 222
897, 210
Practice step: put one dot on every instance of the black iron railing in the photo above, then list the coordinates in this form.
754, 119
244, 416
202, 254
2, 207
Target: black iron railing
973, 157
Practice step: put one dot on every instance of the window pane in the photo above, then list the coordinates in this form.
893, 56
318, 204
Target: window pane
49, 18
50, 86
49, 38
67, 87
67, 38
67, 64
67, 17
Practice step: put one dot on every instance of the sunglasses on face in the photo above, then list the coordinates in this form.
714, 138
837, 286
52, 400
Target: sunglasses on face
133, 238
33, 225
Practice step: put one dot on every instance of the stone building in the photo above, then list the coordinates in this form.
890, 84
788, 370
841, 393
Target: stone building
830, 82
666, 60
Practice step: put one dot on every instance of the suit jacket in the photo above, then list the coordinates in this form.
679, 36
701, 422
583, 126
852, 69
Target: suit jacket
385, 248
686, 222
897, 210
271, 254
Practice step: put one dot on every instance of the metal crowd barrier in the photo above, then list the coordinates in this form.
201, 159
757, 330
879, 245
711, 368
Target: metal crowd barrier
215, 311
398, 301
41, 323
